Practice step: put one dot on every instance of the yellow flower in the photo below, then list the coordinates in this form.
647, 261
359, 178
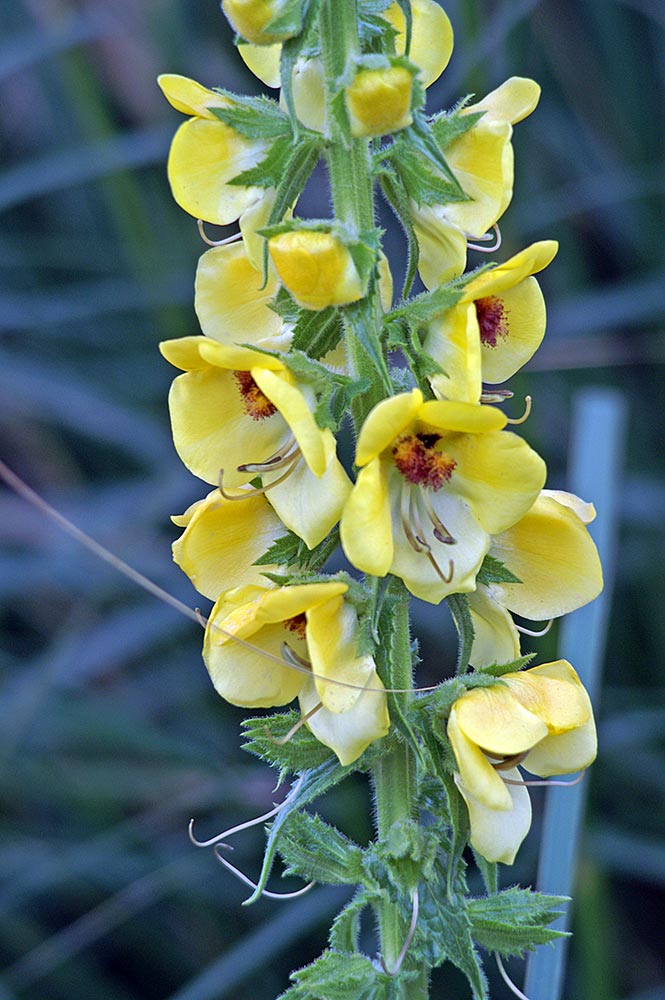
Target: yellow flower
250, 18
431, 37
497, 325
223, 539
437, 479
206, 155
540, 719
482, 161
242, 412
316, 267
552, 553
379, 100
321, 631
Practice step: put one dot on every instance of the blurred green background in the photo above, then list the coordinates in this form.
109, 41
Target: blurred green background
111, 735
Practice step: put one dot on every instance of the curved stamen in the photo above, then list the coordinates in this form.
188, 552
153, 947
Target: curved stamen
505, 763
244, 826
546, 782
216, 243
507, 980
292, 658
485, 238
525, 415
255, 491
495, 395
441, 533
415, 899
417, 544
283, 740
533, 632
277, 460
253, 885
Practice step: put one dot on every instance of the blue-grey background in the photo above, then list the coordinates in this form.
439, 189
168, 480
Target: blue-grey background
111, 736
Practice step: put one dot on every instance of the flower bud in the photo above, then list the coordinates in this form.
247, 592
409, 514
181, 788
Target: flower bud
379, 101
250, 18
317, 268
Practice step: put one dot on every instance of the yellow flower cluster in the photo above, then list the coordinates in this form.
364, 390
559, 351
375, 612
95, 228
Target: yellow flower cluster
441, 481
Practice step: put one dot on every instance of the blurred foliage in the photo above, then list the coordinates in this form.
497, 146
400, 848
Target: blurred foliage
111, 736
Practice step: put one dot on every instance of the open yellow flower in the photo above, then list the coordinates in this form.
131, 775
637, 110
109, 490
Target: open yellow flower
206, 155
238, 414
313, 631
540, 719
497, 325
437, 479
223, 539
482, 161
551, 551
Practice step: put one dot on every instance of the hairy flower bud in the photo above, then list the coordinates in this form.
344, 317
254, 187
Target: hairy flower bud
317, 268
251, 17
379, 101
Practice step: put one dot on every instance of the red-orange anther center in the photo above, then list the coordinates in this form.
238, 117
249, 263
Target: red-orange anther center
492, 320
257, 406
297, 625
420, 462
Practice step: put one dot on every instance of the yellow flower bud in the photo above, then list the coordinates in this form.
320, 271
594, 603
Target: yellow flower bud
379, 101
250, 17
317, 268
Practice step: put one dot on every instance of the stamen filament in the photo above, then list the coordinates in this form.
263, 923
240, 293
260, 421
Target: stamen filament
283, 740
255, 491
496, 233
525, 415
216, 243
248, 824
253, 885
507, 980
533, 632
280, 458
409, 937
440, 531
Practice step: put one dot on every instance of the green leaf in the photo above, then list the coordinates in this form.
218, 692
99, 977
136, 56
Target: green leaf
291, 550
301, 751
448, 127
254, 117
396, 195
444, 933
317, 333
289, 21
286, 166
311, 784
515, 920
317, 851
419, 176
494, 571
459, 609
335, 391
345, 930
339, 976
427, 305
498, 669
489, 871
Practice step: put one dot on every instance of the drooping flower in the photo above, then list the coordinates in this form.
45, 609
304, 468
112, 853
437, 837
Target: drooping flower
540, 719
551, 552
437, 479
206, 154
494, 329
316, 267
237, 414
320, 629
482, 161
222, 541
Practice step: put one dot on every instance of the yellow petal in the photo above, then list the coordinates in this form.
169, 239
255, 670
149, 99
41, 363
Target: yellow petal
349, 733
251, 221
452, 341
190, 97
223, 539
465, 418
288, 602
585, 511
332, 641
307, 505
316, 268
494, 719
521, 313
495, 281
184, 352
236, 358
551, 551
431, 39
477, 774
496, 834
366, 526
441, 243
205, 155
309, 93
250, 18
554, 693
385, 422
498, 475
281, 390
495, 639
564, 753
511, 102
263, 61
231, 302
482, 160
